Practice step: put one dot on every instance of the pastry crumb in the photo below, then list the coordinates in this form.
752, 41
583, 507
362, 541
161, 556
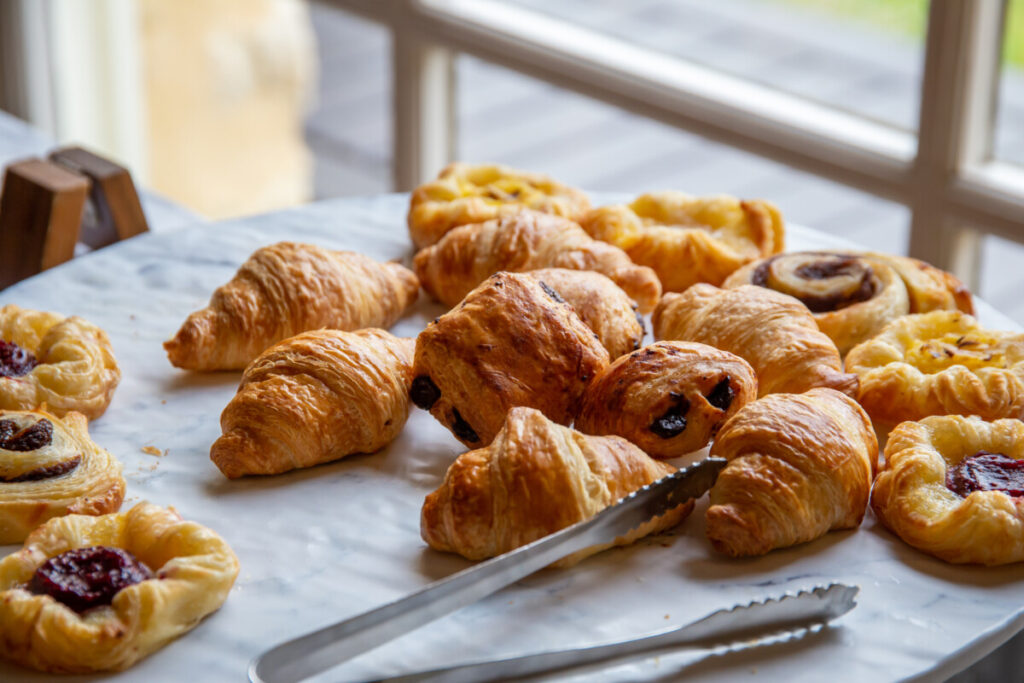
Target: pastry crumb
152, 450
163, 401
666, 616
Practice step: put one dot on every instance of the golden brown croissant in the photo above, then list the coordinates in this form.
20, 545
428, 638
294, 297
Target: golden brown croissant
474, 193
526, 240
773, 332
162, 576
686, 239
510, 343
65, 363
285, 289
800, 465
668, 398
316, 397
535, 478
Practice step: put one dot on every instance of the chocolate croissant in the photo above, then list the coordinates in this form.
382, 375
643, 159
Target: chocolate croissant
535, 478
526, 240
288, 288
773, 332
800, 465
316, 397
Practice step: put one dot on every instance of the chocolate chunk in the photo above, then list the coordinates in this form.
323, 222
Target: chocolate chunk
673, 422
721, 395
423, 392
462, 429
30, 438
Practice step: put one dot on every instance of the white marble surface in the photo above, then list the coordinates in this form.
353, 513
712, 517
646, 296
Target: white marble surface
327, 543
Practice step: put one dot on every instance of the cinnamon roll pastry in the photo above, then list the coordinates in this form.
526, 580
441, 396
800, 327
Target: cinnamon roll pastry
316, 397
669, 398
66, 364
473, 193
535, 478
524, 241
953, 487
773, 332
687, 239
853, 295
511, 342
88, 594
939, 363
288, 288
800, 465
50, 467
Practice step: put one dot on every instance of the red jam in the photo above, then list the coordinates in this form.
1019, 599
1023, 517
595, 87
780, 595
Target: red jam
986, 471
84, 578
14, 360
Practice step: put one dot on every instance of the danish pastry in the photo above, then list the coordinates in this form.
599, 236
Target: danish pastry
687, 239
939, 363
800, 465
668, 398
90, 594
473, 193
510, 343
953, 487
853, 295
316, 397
65, 363
773, 332
288, 288
50, 467
523, 241
535, 478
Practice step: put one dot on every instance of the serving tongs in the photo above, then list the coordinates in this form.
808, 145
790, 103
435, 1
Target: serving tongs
320, 650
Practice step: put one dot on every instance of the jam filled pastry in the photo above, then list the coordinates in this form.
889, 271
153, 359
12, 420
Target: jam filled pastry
66, 363
88, 594
854, 295
668, 398
953, 487
512, 342
800, 465
523, 241
50, 467
535, 478
285, 289
474, 193
773, 332
316, 397
939, 363
687, 239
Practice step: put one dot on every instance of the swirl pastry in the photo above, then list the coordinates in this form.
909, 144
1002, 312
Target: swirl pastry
535, 478
524, 241
90, 594
50, 467
939, 363
316, 397
854, 295
687, 239
800, 465
953, 487
288, 288
773, 332
510, 343
668, 398
65, 363
473, 193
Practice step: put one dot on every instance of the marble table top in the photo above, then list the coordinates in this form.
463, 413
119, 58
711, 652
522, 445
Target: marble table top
327, 543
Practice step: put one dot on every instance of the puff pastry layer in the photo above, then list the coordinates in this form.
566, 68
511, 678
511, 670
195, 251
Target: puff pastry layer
316, 397
194, 570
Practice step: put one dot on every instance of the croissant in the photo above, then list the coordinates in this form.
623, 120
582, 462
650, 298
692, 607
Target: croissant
65, 363
316, 397
285, 289
510, 343
799, 466
773, 332
473, 193
853, 295
535, 478
526, 240
686, 239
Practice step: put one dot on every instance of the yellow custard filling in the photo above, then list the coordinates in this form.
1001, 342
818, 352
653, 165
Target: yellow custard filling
973, 351
502, 191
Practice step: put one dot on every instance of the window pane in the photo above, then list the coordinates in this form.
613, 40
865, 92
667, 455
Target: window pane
1009, 138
